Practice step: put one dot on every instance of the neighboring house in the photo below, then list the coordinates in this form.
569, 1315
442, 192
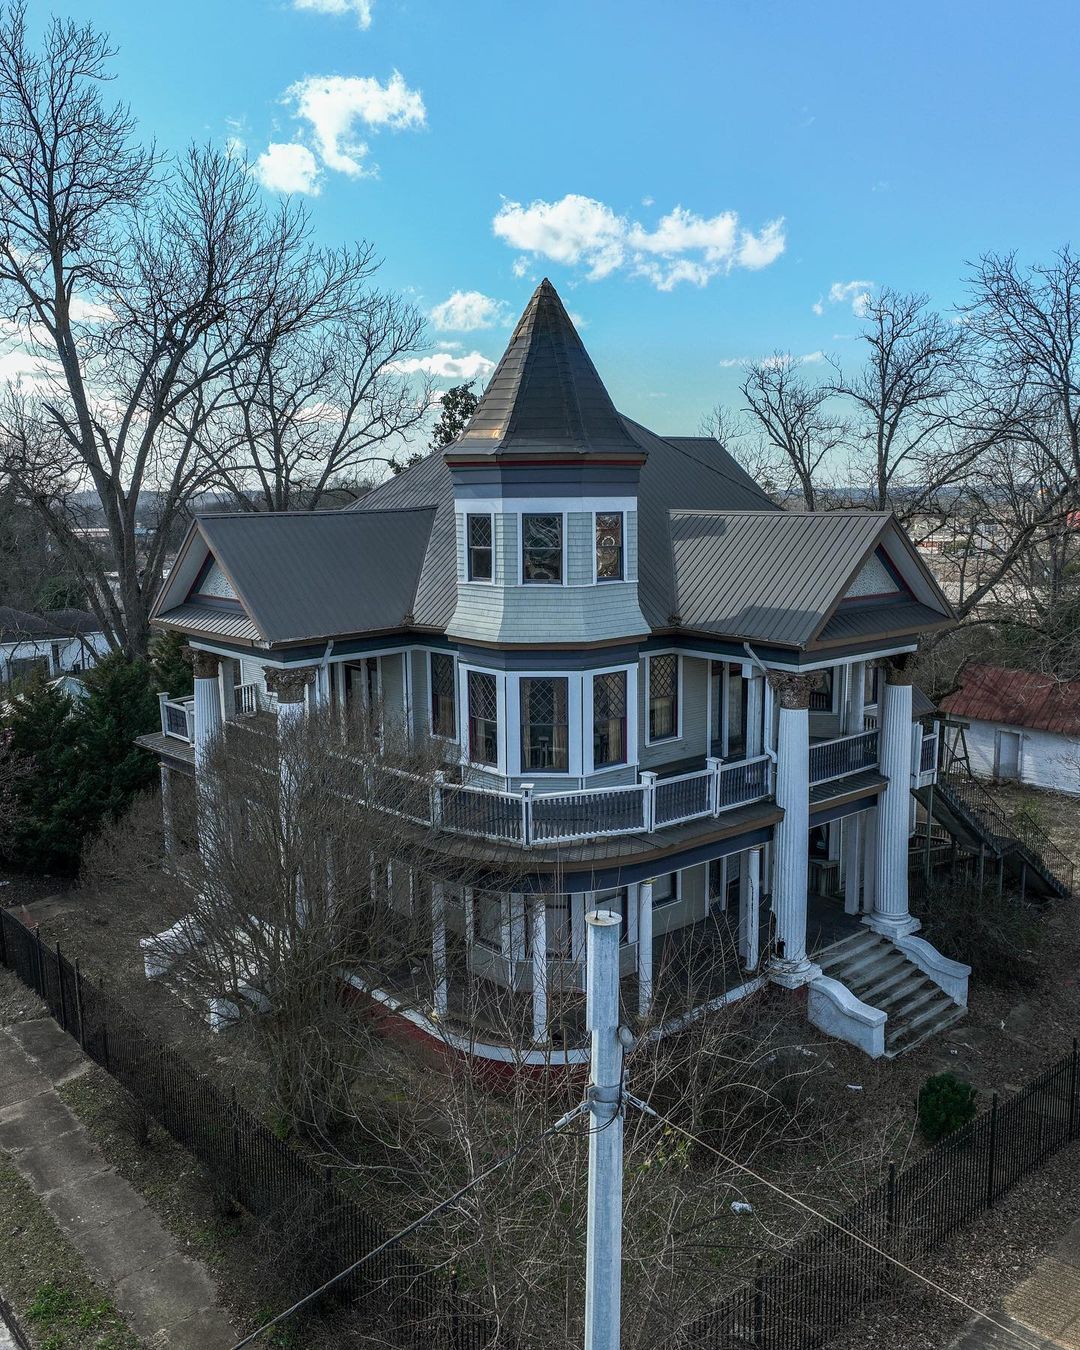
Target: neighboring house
573, 602
51, 644
1019, 727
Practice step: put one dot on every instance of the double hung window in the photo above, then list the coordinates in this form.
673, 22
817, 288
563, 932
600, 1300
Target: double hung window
609, 719
443, 700
483, 718
609, 546
544, 725
480, 547
663, 697
541, 549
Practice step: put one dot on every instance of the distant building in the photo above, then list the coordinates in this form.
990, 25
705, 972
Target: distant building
51, 645
1020, 727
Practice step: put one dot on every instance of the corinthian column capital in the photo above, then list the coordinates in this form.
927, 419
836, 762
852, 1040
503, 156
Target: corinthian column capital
205, 664
898, 669
793, 691
289, 685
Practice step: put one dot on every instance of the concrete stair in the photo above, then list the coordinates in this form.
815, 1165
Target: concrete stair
881, 975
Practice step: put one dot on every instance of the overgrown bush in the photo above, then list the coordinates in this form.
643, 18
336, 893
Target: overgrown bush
946, 1104
996, 935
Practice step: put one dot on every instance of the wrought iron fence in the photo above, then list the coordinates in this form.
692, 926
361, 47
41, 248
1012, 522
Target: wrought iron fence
805, 1298
395, 1294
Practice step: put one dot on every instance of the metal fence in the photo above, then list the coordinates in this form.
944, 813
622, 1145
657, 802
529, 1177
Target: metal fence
803, 1300
323, 1227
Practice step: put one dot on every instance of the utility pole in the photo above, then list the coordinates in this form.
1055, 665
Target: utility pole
603, 1251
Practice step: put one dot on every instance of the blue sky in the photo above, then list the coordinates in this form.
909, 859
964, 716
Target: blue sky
698, 179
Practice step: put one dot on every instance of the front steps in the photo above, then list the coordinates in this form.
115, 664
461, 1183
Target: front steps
880, 975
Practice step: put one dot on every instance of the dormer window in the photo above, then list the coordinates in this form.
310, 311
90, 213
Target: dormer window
609, 546
479, 547
542, 549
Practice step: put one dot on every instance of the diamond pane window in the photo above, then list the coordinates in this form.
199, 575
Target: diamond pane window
609, 718
479, 530
663, 697
443, 702
609, 546
483, 718
541, 549
544, 729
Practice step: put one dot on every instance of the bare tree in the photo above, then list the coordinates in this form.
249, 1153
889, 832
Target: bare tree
142, 288
908, 437
745, 442
794, 417
317, 402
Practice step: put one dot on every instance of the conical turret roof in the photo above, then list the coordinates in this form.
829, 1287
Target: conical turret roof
545, 399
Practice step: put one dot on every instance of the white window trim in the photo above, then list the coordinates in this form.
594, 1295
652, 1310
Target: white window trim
631, 671
608, 581
574, 722
499, 676
536, 511
680, 664
435, 735
469, 578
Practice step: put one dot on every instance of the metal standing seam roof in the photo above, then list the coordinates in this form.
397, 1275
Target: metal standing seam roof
209, 619
1018, 698
769, 576
545, 396
308, 575
908, 616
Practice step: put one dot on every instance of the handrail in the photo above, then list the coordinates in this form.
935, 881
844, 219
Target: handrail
843, 755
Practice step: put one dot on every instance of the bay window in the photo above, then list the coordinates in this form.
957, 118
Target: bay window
544, 725
541, 549
609, 719
483, 718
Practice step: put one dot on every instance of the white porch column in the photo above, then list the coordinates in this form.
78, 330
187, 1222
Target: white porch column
580, 901
168, 821
790, 966
207, 705
890, 914
755, 711
855, 706
439, 999
869, 862
644, 947
540, 971
853, 858
749, 908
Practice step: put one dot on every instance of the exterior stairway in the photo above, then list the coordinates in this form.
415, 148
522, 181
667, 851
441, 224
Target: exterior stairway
880, 975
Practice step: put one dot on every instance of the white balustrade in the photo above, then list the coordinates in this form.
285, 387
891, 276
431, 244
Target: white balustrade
177, 718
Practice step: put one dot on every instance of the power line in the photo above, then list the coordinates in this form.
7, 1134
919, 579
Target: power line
818, 1214
411, 1228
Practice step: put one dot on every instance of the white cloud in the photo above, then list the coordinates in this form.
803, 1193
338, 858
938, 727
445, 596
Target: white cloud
819, 306
446, 366
775, 359
520, 266
361, 8
683, 246
333, 105
287, 167
465, 311
855, 293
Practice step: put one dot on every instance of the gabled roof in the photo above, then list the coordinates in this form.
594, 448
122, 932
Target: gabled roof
1018, 698
302, 576
781, 577
545, 397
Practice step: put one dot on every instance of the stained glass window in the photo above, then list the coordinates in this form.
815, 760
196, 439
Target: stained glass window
479, 548
609, 546
443, 700
483, 718
541, 548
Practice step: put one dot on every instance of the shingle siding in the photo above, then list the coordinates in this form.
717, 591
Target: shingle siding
694, 717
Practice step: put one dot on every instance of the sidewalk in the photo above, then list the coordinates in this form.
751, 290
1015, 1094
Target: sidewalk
167, 1299
1043, 1310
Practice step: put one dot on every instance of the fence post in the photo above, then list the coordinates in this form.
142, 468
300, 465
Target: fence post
1072, 1090
759, 1305
993, 1153
714, 764
648, 788
438, 779
78, 1003
526, 812
60, 985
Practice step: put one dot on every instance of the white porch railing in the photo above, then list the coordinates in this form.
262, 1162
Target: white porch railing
928, 752
177, 718
248, 699
844, 755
